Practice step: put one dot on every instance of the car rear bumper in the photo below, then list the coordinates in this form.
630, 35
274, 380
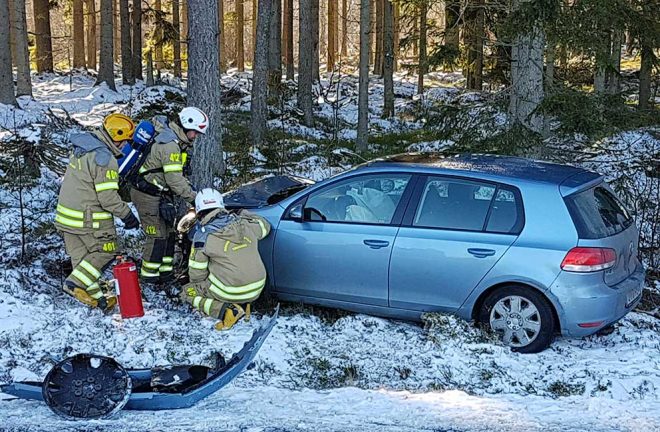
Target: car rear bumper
588, 304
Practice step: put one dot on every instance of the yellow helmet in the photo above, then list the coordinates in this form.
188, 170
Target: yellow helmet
119, 127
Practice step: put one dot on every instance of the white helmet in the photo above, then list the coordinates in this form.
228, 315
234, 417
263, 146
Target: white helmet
192, 118
208, 199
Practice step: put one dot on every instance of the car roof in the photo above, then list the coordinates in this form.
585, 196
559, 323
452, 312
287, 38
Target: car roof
482, 165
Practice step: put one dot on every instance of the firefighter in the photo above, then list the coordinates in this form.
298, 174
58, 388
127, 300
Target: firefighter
87, 204
160, 179
225, 269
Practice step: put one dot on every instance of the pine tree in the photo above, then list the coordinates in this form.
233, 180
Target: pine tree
6, 80
90, 15
43, 36
106, 59
204, 89
259, 107
23, 80
275, 47
475, 48
221, 36
315, 41
240, 27
423, 61
136, 39
78, 35
363, 89
388, 58
305, 61
176, 19
288, 35
126, 46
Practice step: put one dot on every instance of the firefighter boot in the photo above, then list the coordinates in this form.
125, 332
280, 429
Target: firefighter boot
232, 315
107, 304
81, 295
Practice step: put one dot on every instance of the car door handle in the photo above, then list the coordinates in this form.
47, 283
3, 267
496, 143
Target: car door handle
376, 244
481, 253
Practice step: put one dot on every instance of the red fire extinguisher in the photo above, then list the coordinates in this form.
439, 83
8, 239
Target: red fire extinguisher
128, 288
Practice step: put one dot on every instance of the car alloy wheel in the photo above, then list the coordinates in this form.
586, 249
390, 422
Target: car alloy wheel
518, 319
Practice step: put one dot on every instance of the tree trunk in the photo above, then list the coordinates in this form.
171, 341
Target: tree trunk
527, 78
222, 48
306, 52
397, 33
11, 34
176, 18
415, 41
274, 49
90, 13
344, 29
43, 40
372, 31
126, 47
78, 35
6, 79
288, 17
603, 57
184, 27
645, 71
332, 12
116, 43
106, 59
204, 89
150, 69
452, 15
255, 5
614, 71
422, 68
378, 58
363, 88
136, 39
19, 29
240, 25
316, 76
388, 58
475, 41
158, 47
259, 111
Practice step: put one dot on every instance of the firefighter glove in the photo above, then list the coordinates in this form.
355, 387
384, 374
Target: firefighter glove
130, 221
167, 211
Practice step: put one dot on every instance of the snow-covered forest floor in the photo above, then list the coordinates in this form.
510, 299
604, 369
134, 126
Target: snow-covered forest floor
320, 369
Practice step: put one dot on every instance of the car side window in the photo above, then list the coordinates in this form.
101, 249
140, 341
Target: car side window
505, 214
454, 204
364, 199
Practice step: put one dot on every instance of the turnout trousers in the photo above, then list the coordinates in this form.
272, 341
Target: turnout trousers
158, 251
90, 253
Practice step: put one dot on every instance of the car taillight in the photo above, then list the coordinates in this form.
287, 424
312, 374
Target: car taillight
588, 259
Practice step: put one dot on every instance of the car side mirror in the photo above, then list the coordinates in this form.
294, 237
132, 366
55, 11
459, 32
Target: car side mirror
296, 213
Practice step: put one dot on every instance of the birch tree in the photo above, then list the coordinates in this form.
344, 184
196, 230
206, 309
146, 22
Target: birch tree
204, 89
363, 86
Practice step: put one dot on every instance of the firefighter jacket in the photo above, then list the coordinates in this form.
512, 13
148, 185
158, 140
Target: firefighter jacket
163, 166
89, 195
225, 254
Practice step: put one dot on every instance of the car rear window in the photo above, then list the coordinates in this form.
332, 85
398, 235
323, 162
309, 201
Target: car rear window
597, 213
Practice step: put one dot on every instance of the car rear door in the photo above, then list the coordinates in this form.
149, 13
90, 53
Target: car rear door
340, 249
453, 233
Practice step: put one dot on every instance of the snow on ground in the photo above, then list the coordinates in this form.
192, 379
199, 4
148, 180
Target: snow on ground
347, 372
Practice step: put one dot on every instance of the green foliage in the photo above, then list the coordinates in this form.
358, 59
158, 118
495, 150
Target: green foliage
560, 388
595, 115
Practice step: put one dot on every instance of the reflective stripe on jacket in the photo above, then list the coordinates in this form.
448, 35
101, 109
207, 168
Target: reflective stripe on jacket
229, 256
89, 196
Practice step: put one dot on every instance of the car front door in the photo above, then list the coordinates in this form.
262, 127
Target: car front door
340, 248
450, 239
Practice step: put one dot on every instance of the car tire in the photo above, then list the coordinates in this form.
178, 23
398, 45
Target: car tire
518, 312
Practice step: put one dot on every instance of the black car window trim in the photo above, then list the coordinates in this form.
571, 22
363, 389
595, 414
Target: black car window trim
422, 181
399, 212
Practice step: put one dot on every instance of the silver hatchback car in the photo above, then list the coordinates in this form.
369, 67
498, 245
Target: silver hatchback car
530, 249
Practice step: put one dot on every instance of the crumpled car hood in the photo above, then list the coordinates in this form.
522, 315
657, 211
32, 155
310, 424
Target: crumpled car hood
265, 191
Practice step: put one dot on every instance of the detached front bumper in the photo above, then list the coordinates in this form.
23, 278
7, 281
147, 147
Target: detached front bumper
588, 304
